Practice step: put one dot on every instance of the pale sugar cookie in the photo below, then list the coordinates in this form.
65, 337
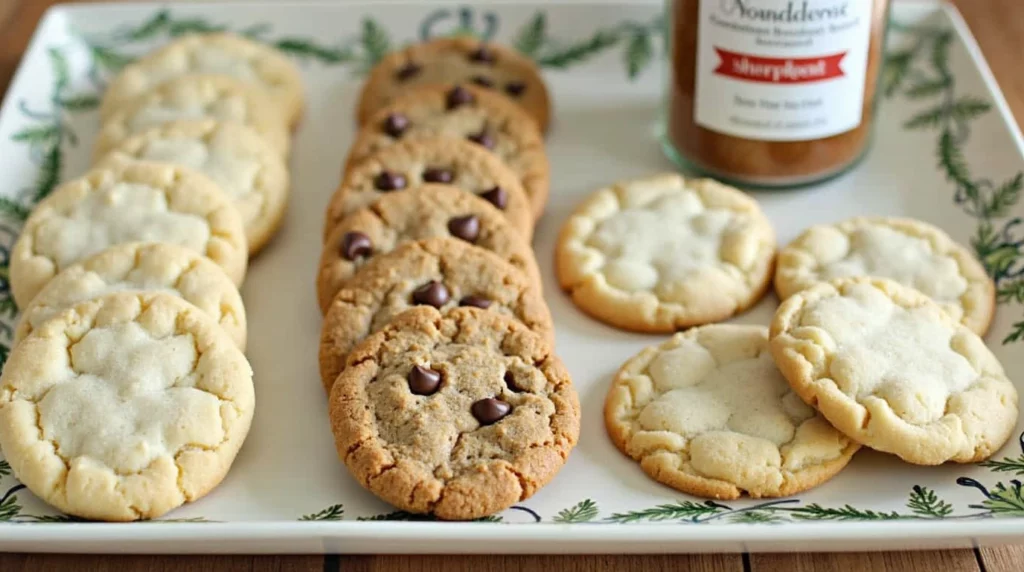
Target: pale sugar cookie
708, 413
133, 202
254, 63
232, 155
892, 370
908, 251
664, 253
138, 267
219, 97
125, 407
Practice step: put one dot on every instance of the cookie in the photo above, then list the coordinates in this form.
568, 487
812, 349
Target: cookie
441, 272
134, 202
459, 415
125, 407
432, 211
456, 60
664, 253
709, 414
408, 164
219, 97
234, 156
137, 267
466, 112
258, 65
893, 371
908, 251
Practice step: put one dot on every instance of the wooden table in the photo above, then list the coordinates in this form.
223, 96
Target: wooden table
999, 28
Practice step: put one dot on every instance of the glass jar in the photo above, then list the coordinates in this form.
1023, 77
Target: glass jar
773, 93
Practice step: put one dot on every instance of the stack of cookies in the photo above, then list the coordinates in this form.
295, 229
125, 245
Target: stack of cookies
877, 342
436, 349
127, 393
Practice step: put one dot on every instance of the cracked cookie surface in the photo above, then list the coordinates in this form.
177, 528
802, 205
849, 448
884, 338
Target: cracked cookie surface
469, 112
125, 407
459, 415
441, 272
431, 211
709, 414
232, 155
254, 63
219, 97
456, 60
664, 253
132, 202
138, 267
911, 252
892, 370
405, 166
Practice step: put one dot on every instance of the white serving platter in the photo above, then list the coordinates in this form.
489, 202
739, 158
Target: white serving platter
287, 492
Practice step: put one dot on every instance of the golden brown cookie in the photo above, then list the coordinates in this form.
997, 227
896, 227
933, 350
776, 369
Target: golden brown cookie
468, 112
456, 60
405, 166
441, 272
432, 211
459, 415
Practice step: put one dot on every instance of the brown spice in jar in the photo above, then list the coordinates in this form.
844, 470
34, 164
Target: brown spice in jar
755, 161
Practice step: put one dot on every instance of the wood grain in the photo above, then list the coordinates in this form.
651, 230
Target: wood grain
1002, 559
999, 28
946, 561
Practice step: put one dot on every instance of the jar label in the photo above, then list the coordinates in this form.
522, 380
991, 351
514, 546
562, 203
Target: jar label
782, 70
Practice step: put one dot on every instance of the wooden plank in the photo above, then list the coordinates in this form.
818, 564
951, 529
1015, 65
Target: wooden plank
1002, 559
690, 563
998, 25
947, 561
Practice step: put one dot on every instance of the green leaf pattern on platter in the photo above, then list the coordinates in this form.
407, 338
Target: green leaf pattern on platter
920, 73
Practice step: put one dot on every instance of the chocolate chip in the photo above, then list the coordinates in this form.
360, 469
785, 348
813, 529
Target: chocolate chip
489, 411
497, 197
407, 71
482, 55
395, 124
438, 175
458, 97
423, 381
510, 382
476, 302
432, 293
482, 81
355, 244
465, 227
483, 139
515, 88
388, 181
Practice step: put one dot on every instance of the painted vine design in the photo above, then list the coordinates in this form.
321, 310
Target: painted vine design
921, 72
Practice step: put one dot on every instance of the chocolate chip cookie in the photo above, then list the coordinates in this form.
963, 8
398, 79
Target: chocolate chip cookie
409, 164
458, 414
469, 112
432, 211
456, 60
441, 272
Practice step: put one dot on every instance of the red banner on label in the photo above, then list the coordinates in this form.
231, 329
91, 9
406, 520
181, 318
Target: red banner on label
746, 67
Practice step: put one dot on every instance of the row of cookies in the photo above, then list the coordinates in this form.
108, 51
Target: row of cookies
436, 349
856, 355
128, 390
